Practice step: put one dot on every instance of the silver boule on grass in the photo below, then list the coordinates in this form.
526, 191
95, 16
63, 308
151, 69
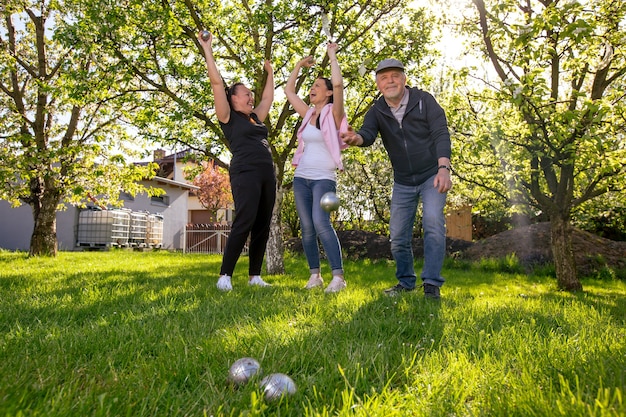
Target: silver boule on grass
242, 370
205, 35
330, 202
276, 385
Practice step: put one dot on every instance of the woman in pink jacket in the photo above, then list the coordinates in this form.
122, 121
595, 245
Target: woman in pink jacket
317, 159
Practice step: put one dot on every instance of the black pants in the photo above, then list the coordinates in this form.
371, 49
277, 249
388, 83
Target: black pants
254, 194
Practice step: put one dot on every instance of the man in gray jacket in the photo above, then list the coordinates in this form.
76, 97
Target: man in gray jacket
414, 131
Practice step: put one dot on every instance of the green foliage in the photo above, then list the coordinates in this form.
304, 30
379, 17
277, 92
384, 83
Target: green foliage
289, 216
546, 134
604, 217
553, 114
62, 109
365, 189
144, 334
173, 100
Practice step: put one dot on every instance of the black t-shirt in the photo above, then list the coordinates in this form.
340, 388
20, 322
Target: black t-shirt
248, 140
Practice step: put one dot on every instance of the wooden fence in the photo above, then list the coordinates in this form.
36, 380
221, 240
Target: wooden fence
459, 223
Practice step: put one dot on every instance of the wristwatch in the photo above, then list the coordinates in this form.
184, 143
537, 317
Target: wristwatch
444, 166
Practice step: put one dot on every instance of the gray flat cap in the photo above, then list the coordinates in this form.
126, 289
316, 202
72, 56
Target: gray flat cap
389, 63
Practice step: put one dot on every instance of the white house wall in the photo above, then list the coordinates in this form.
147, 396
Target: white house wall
16, 227
16, 224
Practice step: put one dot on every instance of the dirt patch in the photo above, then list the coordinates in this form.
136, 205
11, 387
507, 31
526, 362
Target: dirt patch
531, 245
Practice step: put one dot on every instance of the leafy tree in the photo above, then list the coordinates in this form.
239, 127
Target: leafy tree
365, 190
60, 140
553, 117
214, 193
156, 42
605, 217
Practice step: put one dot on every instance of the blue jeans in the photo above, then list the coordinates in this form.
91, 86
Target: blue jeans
315, 222
404, 200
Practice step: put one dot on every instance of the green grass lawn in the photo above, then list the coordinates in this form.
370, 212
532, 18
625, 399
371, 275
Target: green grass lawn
148, 334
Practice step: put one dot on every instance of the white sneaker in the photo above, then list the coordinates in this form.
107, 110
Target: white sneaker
256, 280
315, 281
336, 285
223, 284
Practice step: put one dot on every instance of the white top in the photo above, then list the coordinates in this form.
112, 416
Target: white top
316, 162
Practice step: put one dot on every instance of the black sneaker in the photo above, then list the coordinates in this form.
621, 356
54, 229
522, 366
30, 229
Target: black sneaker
397, 289
431, 291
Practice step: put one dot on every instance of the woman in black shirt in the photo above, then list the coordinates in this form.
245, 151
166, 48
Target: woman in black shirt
252, 175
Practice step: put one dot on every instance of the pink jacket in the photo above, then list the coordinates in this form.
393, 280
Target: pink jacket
329, 132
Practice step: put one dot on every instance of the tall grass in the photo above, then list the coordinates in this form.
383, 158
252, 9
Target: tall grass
148, 334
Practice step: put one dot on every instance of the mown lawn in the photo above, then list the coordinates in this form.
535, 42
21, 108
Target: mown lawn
147, 334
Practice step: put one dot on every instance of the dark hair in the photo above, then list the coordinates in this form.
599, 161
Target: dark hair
230, 91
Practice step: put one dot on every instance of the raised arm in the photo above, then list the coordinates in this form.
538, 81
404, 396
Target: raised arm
263, 109
290, 88
222, 108
337, 81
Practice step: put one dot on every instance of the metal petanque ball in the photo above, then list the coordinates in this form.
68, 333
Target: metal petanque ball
276, 385
330, 202
205, 35
243, 369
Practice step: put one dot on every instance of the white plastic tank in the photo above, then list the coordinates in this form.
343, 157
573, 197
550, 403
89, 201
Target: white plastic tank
138, 228
154, 237
103, 228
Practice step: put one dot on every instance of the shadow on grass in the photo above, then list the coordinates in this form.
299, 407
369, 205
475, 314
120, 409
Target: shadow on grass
163, 337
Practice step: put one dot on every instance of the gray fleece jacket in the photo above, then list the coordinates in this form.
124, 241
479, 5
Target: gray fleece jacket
415, 145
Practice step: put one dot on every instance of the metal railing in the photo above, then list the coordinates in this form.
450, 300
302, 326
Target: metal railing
207, 238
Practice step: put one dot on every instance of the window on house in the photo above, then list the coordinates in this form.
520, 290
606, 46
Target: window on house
161, 200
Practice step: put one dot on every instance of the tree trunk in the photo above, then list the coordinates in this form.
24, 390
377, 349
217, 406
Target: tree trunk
275, 262
561, 241
43, 241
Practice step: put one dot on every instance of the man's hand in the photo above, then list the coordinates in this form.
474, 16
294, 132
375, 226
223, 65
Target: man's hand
351, 137
443, 182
